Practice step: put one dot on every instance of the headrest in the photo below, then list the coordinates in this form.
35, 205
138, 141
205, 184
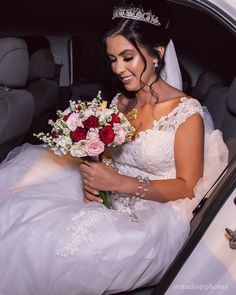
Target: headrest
231, 99
35, 42
42, 65
206, 80
14, 62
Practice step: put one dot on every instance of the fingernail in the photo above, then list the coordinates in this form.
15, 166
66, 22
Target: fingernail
100, 200
96, 193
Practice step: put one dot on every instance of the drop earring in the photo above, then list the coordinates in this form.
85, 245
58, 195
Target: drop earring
156, 65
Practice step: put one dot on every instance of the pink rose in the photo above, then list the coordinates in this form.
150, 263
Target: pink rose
120, 134
94, 147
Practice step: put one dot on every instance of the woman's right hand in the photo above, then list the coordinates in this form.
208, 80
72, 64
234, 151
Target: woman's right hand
91, 195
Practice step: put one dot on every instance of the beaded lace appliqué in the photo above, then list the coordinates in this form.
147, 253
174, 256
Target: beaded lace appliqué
80, 230
124, 204
186, 108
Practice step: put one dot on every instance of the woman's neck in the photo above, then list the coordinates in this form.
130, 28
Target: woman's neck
161, 92
145, 96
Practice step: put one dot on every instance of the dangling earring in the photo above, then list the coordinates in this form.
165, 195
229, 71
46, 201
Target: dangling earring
156, 65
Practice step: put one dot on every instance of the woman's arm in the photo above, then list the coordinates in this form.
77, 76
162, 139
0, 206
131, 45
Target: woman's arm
189, 154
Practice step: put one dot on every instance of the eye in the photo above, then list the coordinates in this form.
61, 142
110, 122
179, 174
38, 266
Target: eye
127, 59
111, 60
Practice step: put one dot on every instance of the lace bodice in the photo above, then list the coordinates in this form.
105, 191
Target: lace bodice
152, 153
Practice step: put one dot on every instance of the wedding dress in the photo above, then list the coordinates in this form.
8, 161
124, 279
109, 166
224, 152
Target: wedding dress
51, 242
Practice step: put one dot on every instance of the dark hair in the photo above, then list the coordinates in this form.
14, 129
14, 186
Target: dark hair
142, 33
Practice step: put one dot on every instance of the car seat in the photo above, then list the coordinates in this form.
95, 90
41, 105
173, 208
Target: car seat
45, 90
16, 103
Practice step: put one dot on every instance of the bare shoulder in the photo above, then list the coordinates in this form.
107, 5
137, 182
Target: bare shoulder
172, 95
171, 92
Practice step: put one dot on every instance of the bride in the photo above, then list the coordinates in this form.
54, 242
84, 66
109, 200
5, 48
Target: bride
56, 237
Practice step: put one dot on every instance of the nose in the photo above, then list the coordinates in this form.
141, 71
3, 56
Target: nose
119, 67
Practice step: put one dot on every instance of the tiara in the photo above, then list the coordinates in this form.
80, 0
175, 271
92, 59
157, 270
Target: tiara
136, 14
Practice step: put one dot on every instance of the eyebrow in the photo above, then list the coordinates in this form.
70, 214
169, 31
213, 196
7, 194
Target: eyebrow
122, 52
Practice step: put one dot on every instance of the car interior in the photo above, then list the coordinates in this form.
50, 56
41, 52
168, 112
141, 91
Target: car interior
43, 66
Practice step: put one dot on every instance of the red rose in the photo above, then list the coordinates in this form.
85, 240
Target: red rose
66, 117
106, 134
115, 119
79, 134
53, 134
91, 122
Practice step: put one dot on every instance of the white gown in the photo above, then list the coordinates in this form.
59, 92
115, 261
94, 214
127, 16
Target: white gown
51, 242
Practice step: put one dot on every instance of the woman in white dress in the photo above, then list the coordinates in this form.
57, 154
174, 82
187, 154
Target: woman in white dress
56, 237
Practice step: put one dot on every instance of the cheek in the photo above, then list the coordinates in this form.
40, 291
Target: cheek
137, 65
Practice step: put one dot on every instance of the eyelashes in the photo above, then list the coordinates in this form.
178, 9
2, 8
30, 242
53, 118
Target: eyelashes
125, 59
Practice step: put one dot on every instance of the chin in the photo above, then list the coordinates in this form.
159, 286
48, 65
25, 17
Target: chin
132, 88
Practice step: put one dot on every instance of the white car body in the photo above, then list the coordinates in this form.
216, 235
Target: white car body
228, 6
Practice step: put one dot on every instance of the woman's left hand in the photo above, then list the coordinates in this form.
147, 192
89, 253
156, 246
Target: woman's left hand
98, 176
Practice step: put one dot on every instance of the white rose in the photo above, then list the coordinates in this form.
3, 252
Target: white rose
92, 133
74, 121
78, 150
88, 112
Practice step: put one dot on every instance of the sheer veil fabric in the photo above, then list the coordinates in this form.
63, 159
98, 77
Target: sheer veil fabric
214, 144
171, 73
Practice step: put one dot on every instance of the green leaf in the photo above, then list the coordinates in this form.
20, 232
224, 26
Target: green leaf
103, 196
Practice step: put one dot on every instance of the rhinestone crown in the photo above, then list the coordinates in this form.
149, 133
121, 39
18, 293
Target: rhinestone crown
136, 14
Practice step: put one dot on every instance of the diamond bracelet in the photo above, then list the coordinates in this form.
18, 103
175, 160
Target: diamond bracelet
143, 186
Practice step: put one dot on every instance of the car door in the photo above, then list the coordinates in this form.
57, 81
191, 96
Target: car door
211, 266
207, 261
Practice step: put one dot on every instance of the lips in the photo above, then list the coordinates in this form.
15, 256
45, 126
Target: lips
126, 79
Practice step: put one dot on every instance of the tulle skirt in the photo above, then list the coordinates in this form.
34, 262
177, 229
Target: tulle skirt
52, 242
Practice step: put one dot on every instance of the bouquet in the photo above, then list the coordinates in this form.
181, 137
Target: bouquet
85, 129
